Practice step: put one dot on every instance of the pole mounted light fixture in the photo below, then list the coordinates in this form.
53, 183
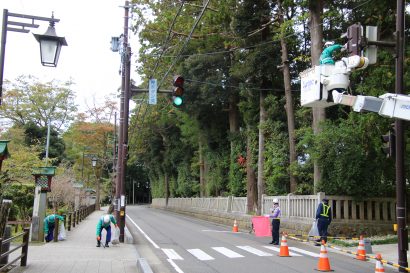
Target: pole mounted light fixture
50, 43
94, 161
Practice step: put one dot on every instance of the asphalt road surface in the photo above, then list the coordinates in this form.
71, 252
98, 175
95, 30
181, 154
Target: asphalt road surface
172, 242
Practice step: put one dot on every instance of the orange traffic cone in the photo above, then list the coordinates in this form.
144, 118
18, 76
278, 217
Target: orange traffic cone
284, 250
235, 227
323, 264
379, 264
361, 252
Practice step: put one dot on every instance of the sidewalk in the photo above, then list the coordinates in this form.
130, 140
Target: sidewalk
79, 254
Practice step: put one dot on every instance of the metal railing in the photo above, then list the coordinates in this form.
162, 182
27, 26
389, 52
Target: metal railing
24, 249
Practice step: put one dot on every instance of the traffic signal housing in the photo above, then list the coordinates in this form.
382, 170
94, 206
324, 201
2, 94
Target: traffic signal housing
389, 144
178, 91
354, 37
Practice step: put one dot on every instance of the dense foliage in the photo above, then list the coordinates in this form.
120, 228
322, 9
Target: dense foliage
230, 63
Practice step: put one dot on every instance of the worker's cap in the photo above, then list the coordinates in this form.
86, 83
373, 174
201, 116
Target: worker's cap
275, 201
329, 43
325, 199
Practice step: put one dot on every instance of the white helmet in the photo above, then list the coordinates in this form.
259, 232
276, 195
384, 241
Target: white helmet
106, 219
275, 201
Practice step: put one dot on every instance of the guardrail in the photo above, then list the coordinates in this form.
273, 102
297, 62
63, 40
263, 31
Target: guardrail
24, 249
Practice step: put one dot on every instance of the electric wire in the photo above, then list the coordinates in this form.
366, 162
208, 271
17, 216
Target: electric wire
180, 52
167, 39
257, 45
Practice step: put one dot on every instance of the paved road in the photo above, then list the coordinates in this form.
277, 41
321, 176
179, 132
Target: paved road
79, 254
176, 243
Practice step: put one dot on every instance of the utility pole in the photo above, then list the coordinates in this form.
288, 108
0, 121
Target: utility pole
402, 232
114, 159
123, 127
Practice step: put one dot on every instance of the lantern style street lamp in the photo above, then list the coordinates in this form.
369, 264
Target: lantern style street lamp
50, 43
50, 46
94, 161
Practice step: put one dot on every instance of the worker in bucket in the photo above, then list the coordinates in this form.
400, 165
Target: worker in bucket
327, 54
49, 225
105, 223
276, 213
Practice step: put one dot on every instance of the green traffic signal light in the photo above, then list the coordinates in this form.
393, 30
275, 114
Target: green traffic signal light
177, 101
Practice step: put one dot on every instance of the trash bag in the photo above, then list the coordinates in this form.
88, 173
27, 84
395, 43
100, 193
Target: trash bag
314, 231
61, 232
116, 236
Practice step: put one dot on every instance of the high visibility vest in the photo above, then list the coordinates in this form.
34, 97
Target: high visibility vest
325, 210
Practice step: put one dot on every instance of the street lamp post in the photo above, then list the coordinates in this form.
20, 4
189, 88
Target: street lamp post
50, 43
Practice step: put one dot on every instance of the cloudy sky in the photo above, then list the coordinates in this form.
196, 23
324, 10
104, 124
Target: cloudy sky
88, 27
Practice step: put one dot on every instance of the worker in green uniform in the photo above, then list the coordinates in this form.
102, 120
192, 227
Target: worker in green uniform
105, 223
49, 225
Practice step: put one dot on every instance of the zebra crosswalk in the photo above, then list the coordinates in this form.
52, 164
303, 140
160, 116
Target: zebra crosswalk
212, 253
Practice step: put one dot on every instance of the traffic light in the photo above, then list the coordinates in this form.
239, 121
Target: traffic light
389, 144
178, 91
354, 37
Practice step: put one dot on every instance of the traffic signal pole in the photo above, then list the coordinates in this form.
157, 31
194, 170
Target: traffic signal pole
401, 214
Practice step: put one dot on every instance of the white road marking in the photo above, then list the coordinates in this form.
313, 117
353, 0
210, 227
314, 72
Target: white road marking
172, 254
174, 265
227, 252
255, 251
304, 252
143, 233
199, 254
277, 249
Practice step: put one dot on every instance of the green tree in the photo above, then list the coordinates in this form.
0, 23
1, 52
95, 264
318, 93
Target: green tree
29, 100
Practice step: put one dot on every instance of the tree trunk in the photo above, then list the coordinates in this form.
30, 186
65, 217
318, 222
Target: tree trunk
316, 36
251, 186
289, 104
261, 149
